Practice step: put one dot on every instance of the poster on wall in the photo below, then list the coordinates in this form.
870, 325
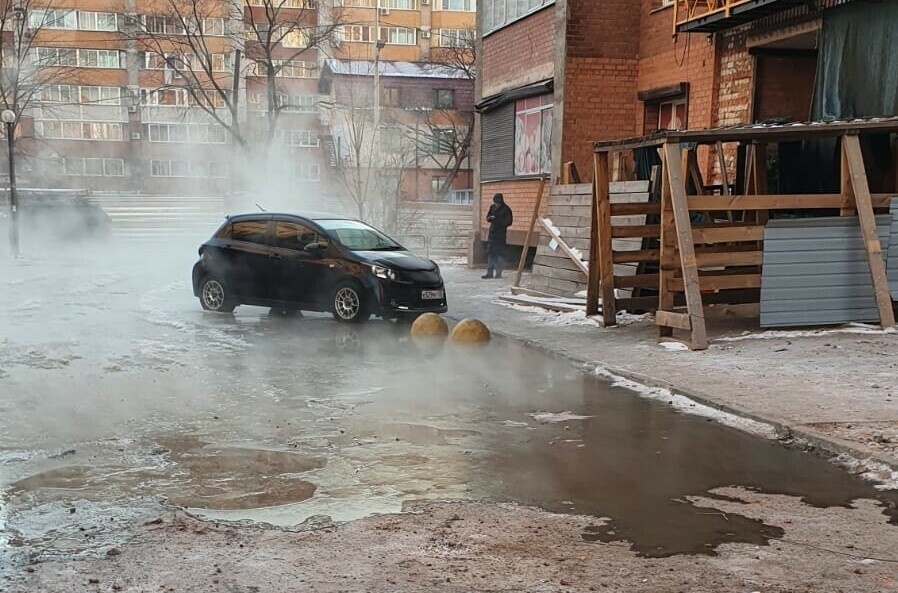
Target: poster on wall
533, 136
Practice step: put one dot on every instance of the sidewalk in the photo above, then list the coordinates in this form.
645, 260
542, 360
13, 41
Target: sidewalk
836, 388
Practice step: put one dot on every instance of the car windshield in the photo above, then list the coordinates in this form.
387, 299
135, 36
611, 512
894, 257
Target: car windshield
358, 236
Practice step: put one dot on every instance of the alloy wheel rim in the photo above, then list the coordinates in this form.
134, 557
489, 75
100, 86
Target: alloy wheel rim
346, 303
213, 294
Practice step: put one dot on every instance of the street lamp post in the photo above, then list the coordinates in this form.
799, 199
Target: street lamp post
8, 116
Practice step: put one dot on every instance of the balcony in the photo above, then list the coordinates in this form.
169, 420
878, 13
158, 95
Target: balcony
711, 16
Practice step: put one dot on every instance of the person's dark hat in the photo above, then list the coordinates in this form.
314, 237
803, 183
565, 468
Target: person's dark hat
498, 199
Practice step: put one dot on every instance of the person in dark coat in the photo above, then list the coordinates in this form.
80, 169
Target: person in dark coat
500, 218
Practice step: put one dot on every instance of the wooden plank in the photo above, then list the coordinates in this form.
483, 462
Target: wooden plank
637, 303
526, 249
728, 234
628, 187
531, 292
723, 282
730, 258
543, 304
776, 202
668, 242
643, 230
675, 320
637, 281
604, 253
847, 208
851, 146
630, 209
565, 247
686, 248
629, 257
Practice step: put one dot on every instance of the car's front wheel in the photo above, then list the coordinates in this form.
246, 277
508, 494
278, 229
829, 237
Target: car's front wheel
348, 303
215, 295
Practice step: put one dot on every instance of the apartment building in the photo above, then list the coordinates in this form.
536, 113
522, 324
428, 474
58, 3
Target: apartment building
140, 95
555, 75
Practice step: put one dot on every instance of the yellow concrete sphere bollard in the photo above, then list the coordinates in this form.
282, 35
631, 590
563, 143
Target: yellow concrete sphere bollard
470, 331
430, 325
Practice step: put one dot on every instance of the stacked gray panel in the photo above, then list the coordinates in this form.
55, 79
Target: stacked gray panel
816, 272
892, 260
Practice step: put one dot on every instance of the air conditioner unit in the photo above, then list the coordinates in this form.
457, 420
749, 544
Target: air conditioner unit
425, 34
132, 108
135, 135
383, 11
425, 2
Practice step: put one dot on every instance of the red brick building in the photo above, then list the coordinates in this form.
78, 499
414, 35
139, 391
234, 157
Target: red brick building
569, 72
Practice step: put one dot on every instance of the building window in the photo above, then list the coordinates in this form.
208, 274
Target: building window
391, 96
51, 57
355, 34
180, 133
76, 130
399, 4
295, 69
498, 13
92, 95
93, 167
187, 169
308, 172
533, 136
460, 5
443, 141
399, 35
672, 115
436, 185
304, 139
455, 37
445, 99
53, 19
284, 3
214, 27
97, 21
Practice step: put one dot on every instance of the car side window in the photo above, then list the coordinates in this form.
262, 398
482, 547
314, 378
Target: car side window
290, 235
250, 231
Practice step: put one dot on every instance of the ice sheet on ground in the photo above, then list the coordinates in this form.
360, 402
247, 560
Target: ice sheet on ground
552, 317
557, 416
850, 328
674, 346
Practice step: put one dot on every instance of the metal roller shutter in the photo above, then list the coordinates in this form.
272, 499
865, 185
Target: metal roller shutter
497, 143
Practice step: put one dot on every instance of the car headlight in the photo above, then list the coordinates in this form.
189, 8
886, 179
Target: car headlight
384, 272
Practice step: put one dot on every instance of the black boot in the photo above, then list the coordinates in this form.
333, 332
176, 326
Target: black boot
487, 276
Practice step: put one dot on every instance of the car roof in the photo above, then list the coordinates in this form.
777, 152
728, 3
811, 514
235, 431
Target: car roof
305, 215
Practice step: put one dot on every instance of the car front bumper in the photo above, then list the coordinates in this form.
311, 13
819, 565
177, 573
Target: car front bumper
399, 298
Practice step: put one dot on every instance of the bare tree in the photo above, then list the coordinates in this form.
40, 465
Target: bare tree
370, 163
448, 130
30, 65
264, 38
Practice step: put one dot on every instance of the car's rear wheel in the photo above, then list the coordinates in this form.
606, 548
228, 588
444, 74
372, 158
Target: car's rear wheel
215, 295
348, 303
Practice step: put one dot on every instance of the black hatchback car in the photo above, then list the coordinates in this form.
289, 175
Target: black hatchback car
314, 263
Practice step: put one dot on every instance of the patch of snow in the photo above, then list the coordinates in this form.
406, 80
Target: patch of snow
674, 346
850, 328
684, 404
581, 295
513, 423
553, 318
624, 318
557, 416
882, 475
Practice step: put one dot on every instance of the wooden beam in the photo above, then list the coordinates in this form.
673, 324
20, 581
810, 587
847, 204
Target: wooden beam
565, 247
524, 252
730, 258
632, 257
686, 248
776, 202
593, 276
723, 282
637, 281
851, 147
728, 234
635, 231
847, 208
635, 209
668, 241
605, 251
671, 319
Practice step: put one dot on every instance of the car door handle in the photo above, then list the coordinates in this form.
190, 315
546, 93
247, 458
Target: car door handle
274, 256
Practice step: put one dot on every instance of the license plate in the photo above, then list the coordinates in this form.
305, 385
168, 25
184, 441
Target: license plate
430, 295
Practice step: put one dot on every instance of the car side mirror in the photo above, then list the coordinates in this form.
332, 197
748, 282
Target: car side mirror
315, 248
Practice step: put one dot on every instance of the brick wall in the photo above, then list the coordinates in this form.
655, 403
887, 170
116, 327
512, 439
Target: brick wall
785, 86
519, 54
600, 77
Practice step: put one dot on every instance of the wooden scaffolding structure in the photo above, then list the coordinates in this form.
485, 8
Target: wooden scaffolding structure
709, 248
